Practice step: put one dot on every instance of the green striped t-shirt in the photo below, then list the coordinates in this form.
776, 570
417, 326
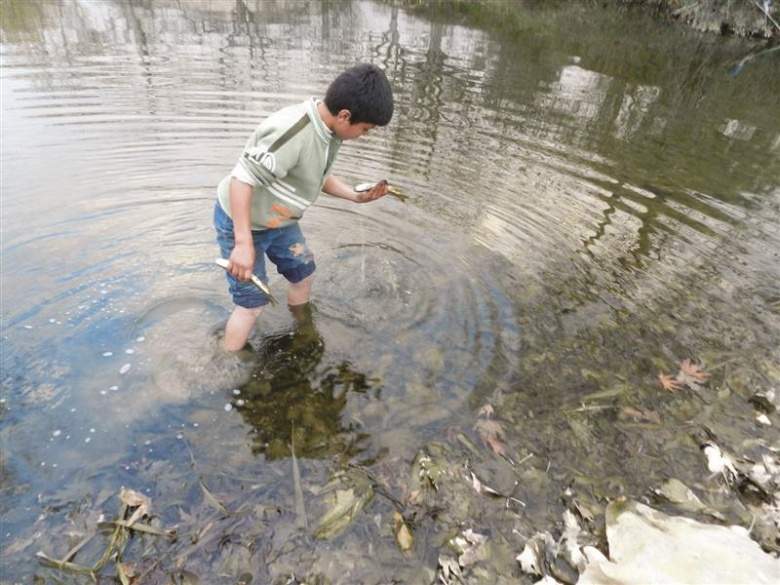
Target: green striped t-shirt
285, 161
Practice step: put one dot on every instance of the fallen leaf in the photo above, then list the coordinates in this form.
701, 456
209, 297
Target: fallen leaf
449, 567
719, 462
126, 572
538, 548
568, 543
486, 411
692, 370
491, 433
133, 499
470, 546
496, 445
403, 535
583, 511
345, 505
481, 488
669, 382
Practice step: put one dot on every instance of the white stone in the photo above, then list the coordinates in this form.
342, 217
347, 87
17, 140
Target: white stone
647, 546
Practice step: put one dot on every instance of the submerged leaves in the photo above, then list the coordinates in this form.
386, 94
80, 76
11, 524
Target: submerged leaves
492, 434
403, 535
349, 494
470, 547
120, 533
133, 499
669, 382
490, 430
690, 374
692, 370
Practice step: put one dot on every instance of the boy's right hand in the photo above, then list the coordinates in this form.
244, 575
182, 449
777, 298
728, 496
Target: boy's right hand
241, 263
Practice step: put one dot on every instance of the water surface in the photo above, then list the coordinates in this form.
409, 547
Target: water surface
592, 198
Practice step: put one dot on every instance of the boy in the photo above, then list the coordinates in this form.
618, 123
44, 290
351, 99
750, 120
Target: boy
283, 168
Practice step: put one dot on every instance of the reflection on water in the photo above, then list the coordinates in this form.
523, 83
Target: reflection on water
293, 400
592, 198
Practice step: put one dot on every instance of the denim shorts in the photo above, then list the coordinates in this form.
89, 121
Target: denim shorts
285, 247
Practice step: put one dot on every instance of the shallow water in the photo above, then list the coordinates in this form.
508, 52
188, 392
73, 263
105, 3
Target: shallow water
586, 208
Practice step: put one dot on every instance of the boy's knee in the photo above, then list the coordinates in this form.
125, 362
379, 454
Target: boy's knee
305, 282
250, 312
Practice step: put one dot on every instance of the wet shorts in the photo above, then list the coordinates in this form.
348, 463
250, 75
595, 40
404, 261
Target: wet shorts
285, 247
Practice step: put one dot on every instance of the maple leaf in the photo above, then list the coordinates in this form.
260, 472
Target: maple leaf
669, 382
491, 433
692, 370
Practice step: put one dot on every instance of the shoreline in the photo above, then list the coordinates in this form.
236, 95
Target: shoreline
742, 19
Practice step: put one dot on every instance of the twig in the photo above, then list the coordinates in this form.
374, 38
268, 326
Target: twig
123, 577
192, 455
380, 488
138, 527
72, 552
211, 498
766, 13
300, 506
64, 565
588, 408
511, 497
116, 544
679, 11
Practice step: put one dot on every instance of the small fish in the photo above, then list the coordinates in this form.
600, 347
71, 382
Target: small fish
256, 281
391, 189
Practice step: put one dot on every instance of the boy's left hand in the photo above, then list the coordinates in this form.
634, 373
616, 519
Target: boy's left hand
377, 191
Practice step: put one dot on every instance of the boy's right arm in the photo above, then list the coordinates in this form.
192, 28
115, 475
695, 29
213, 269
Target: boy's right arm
242, 258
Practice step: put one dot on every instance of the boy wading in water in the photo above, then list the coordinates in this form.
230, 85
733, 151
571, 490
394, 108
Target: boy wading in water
283, 168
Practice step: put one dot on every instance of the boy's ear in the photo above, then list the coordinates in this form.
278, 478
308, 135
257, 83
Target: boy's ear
344, 115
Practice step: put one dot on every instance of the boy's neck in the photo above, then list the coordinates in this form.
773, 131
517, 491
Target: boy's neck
327, 118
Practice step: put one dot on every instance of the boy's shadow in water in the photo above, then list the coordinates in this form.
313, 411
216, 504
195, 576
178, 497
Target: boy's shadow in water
293, 391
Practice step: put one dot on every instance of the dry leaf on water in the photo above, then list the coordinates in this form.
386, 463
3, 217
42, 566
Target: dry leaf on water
693, 370
669, 382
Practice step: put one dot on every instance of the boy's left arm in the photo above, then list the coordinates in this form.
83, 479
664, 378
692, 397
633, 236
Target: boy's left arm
339, 188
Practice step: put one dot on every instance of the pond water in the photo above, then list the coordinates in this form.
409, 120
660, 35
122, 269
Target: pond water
592, 198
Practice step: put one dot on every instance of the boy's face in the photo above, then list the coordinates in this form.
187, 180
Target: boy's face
346, 130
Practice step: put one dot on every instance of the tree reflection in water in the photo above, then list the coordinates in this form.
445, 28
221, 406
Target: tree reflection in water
294, 392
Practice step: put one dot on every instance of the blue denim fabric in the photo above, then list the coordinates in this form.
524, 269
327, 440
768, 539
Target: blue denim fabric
285, 247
